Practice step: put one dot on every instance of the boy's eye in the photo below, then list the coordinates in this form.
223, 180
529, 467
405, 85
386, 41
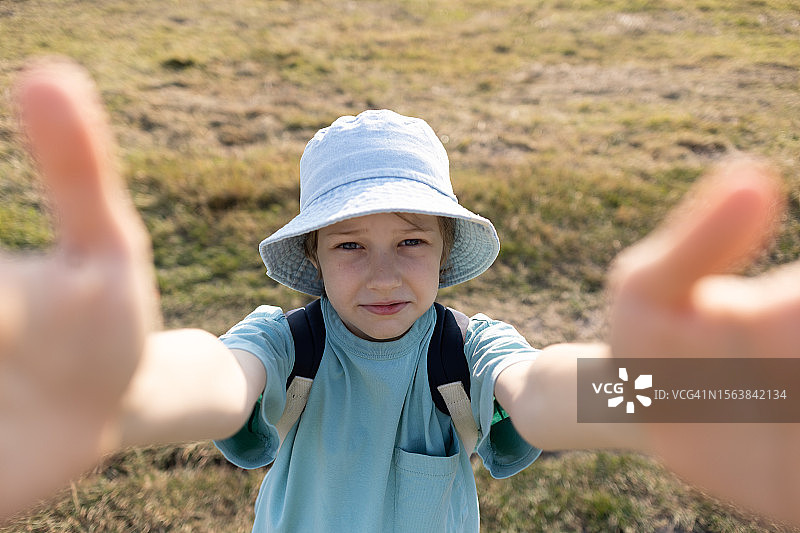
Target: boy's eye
411, 242
349, 246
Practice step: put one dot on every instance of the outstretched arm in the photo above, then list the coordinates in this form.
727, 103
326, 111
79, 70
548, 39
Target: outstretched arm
541, 398
82, 369
189, 386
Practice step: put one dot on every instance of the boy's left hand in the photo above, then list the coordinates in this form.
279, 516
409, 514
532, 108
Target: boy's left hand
72, 321
671, 296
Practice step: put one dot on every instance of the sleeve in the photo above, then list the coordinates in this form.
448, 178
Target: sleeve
265, 334
492, 346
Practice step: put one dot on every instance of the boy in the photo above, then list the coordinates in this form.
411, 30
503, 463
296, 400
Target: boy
189, 385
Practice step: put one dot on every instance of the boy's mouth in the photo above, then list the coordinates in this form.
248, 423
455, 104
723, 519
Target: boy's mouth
388, 308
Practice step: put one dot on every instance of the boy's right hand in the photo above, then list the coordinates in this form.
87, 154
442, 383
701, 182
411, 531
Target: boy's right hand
73, 321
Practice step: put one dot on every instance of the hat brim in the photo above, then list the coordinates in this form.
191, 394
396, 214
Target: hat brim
475, 244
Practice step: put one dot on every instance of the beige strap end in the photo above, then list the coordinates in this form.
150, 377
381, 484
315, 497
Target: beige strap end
461, 412
296, 398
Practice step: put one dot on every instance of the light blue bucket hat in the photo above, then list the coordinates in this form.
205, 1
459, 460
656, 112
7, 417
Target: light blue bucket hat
376, 162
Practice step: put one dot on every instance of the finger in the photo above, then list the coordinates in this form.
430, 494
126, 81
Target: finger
728, 217
764, 310
69, 137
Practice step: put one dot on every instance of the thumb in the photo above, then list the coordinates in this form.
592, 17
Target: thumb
720, 224
69, 138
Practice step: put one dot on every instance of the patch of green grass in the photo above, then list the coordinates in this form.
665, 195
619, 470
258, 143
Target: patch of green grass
23, 226
185, 488
603, 491
206, 215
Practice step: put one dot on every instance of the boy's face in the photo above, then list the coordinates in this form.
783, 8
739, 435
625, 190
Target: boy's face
381, 272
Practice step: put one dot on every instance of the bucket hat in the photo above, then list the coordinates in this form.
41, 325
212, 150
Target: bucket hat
376, 162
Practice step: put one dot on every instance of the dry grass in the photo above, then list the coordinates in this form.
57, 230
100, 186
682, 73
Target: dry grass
574, 126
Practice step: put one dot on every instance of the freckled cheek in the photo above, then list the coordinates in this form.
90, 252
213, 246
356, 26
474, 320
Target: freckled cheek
344, 273
426, 271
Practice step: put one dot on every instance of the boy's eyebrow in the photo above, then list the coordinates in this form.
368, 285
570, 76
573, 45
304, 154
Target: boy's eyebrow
414, 223
422, 229
346, 231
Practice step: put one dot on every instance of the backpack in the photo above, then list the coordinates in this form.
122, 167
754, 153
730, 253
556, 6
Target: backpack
448, 371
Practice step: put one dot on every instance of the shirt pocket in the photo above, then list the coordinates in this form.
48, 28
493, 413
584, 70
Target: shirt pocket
423, 491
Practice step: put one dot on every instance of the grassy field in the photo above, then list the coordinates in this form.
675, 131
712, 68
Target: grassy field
574, 126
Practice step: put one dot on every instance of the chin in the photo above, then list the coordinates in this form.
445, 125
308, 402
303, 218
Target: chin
384, 334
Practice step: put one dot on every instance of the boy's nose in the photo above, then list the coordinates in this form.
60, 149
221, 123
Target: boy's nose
384, 273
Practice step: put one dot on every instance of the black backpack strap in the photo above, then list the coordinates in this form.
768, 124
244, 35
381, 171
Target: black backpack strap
446, 360
308, 331
463, 323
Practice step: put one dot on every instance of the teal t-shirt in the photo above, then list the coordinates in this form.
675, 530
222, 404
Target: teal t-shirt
371, 452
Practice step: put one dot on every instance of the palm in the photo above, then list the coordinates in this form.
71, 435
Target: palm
73, 322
